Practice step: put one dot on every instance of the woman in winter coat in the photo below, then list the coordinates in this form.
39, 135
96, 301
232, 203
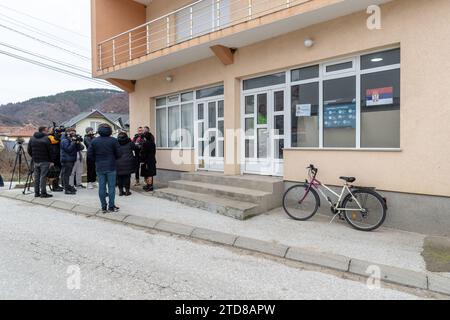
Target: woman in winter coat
126, 165
148, 160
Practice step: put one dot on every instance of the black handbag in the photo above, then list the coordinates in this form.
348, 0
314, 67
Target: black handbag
53, 172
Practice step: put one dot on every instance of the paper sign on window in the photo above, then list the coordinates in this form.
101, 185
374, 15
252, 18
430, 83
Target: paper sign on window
303, 110
380, 96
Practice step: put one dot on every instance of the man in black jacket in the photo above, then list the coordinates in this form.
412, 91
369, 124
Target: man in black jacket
39, 150
105, 151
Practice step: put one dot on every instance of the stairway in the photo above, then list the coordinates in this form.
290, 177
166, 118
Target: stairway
239, 197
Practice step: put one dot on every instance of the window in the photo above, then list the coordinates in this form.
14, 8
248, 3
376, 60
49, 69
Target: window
347, 104
175, 121
94, 125
174, 127
266, 81
161, 128
380, 59
187, 123
305, 73
339, 113
210, 92
339, 67
305, 115
380, 109
175, 117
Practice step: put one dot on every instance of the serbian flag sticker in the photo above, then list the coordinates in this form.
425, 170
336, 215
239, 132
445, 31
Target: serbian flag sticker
380, 96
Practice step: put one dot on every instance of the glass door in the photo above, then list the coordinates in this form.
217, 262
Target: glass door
210, 135
264, 122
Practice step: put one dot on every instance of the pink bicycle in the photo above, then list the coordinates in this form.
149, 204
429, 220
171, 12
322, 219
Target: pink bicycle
363, 208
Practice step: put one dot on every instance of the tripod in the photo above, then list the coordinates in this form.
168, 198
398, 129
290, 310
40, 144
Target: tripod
20, 154
29, 180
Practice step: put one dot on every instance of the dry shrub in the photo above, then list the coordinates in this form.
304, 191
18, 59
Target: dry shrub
7, 159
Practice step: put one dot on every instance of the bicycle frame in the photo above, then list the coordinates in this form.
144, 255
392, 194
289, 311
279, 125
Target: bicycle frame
316, 184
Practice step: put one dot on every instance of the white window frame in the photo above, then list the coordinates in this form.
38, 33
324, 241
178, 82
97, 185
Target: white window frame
324, 76
180, 104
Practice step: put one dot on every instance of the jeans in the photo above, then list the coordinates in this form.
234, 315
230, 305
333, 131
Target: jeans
66, 172
124, 182
40, 177
105, 179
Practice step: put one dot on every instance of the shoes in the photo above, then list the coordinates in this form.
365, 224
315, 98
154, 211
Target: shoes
128, 193
58, 189
121, 193
70, 191
90, 186
46, 196
81, 186
104, 210
148, 188
37, 195
137, 184
114, 209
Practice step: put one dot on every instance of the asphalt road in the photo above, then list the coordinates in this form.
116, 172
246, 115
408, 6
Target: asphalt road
48, 254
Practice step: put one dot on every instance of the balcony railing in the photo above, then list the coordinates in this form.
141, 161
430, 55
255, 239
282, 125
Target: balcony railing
194, 20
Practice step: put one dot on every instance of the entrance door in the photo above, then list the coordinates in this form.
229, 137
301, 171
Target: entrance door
210, 135
264, 122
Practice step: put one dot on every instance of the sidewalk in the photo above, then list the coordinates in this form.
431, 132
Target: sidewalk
385, 246
335, 246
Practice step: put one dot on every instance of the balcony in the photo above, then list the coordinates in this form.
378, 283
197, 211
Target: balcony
178, 37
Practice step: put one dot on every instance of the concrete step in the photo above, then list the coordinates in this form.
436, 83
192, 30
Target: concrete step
230, 192
253, 182
232, 208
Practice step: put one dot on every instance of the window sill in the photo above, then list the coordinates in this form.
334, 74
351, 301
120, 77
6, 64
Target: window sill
347, 149
177, 149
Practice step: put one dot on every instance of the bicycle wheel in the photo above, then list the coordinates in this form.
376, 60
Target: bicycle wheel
373, 214
299, 203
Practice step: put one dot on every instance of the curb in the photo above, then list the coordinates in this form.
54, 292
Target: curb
389, 274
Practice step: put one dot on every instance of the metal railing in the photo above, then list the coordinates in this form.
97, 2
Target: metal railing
194, 20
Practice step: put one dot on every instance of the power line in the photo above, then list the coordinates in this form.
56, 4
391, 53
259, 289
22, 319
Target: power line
43, 21
65, 64
31, 28
45, 42
67, 72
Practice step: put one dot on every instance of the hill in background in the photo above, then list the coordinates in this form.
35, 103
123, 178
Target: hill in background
43, 111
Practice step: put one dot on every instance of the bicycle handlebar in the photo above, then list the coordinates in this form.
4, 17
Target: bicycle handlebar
313, 169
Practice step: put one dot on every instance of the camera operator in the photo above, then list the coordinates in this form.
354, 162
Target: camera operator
39, 151
71, 144
90, 163
138, 140
55, 137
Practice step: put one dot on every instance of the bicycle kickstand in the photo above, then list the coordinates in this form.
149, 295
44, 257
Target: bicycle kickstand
332, 220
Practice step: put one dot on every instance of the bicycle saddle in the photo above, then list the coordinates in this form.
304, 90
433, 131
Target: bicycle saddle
348, 179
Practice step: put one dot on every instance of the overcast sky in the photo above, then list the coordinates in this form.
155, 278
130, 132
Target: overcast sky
20, 80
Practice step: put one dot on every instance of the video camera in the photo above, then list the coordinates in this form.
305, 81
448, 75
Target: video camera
77, 138
20, 141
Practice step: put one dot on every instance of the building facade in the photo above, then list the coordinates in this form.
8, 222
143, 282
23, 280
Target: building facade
356, 87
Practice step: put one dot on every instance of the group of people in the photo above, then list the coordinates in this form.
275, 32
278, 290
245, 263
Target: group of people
110, 161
